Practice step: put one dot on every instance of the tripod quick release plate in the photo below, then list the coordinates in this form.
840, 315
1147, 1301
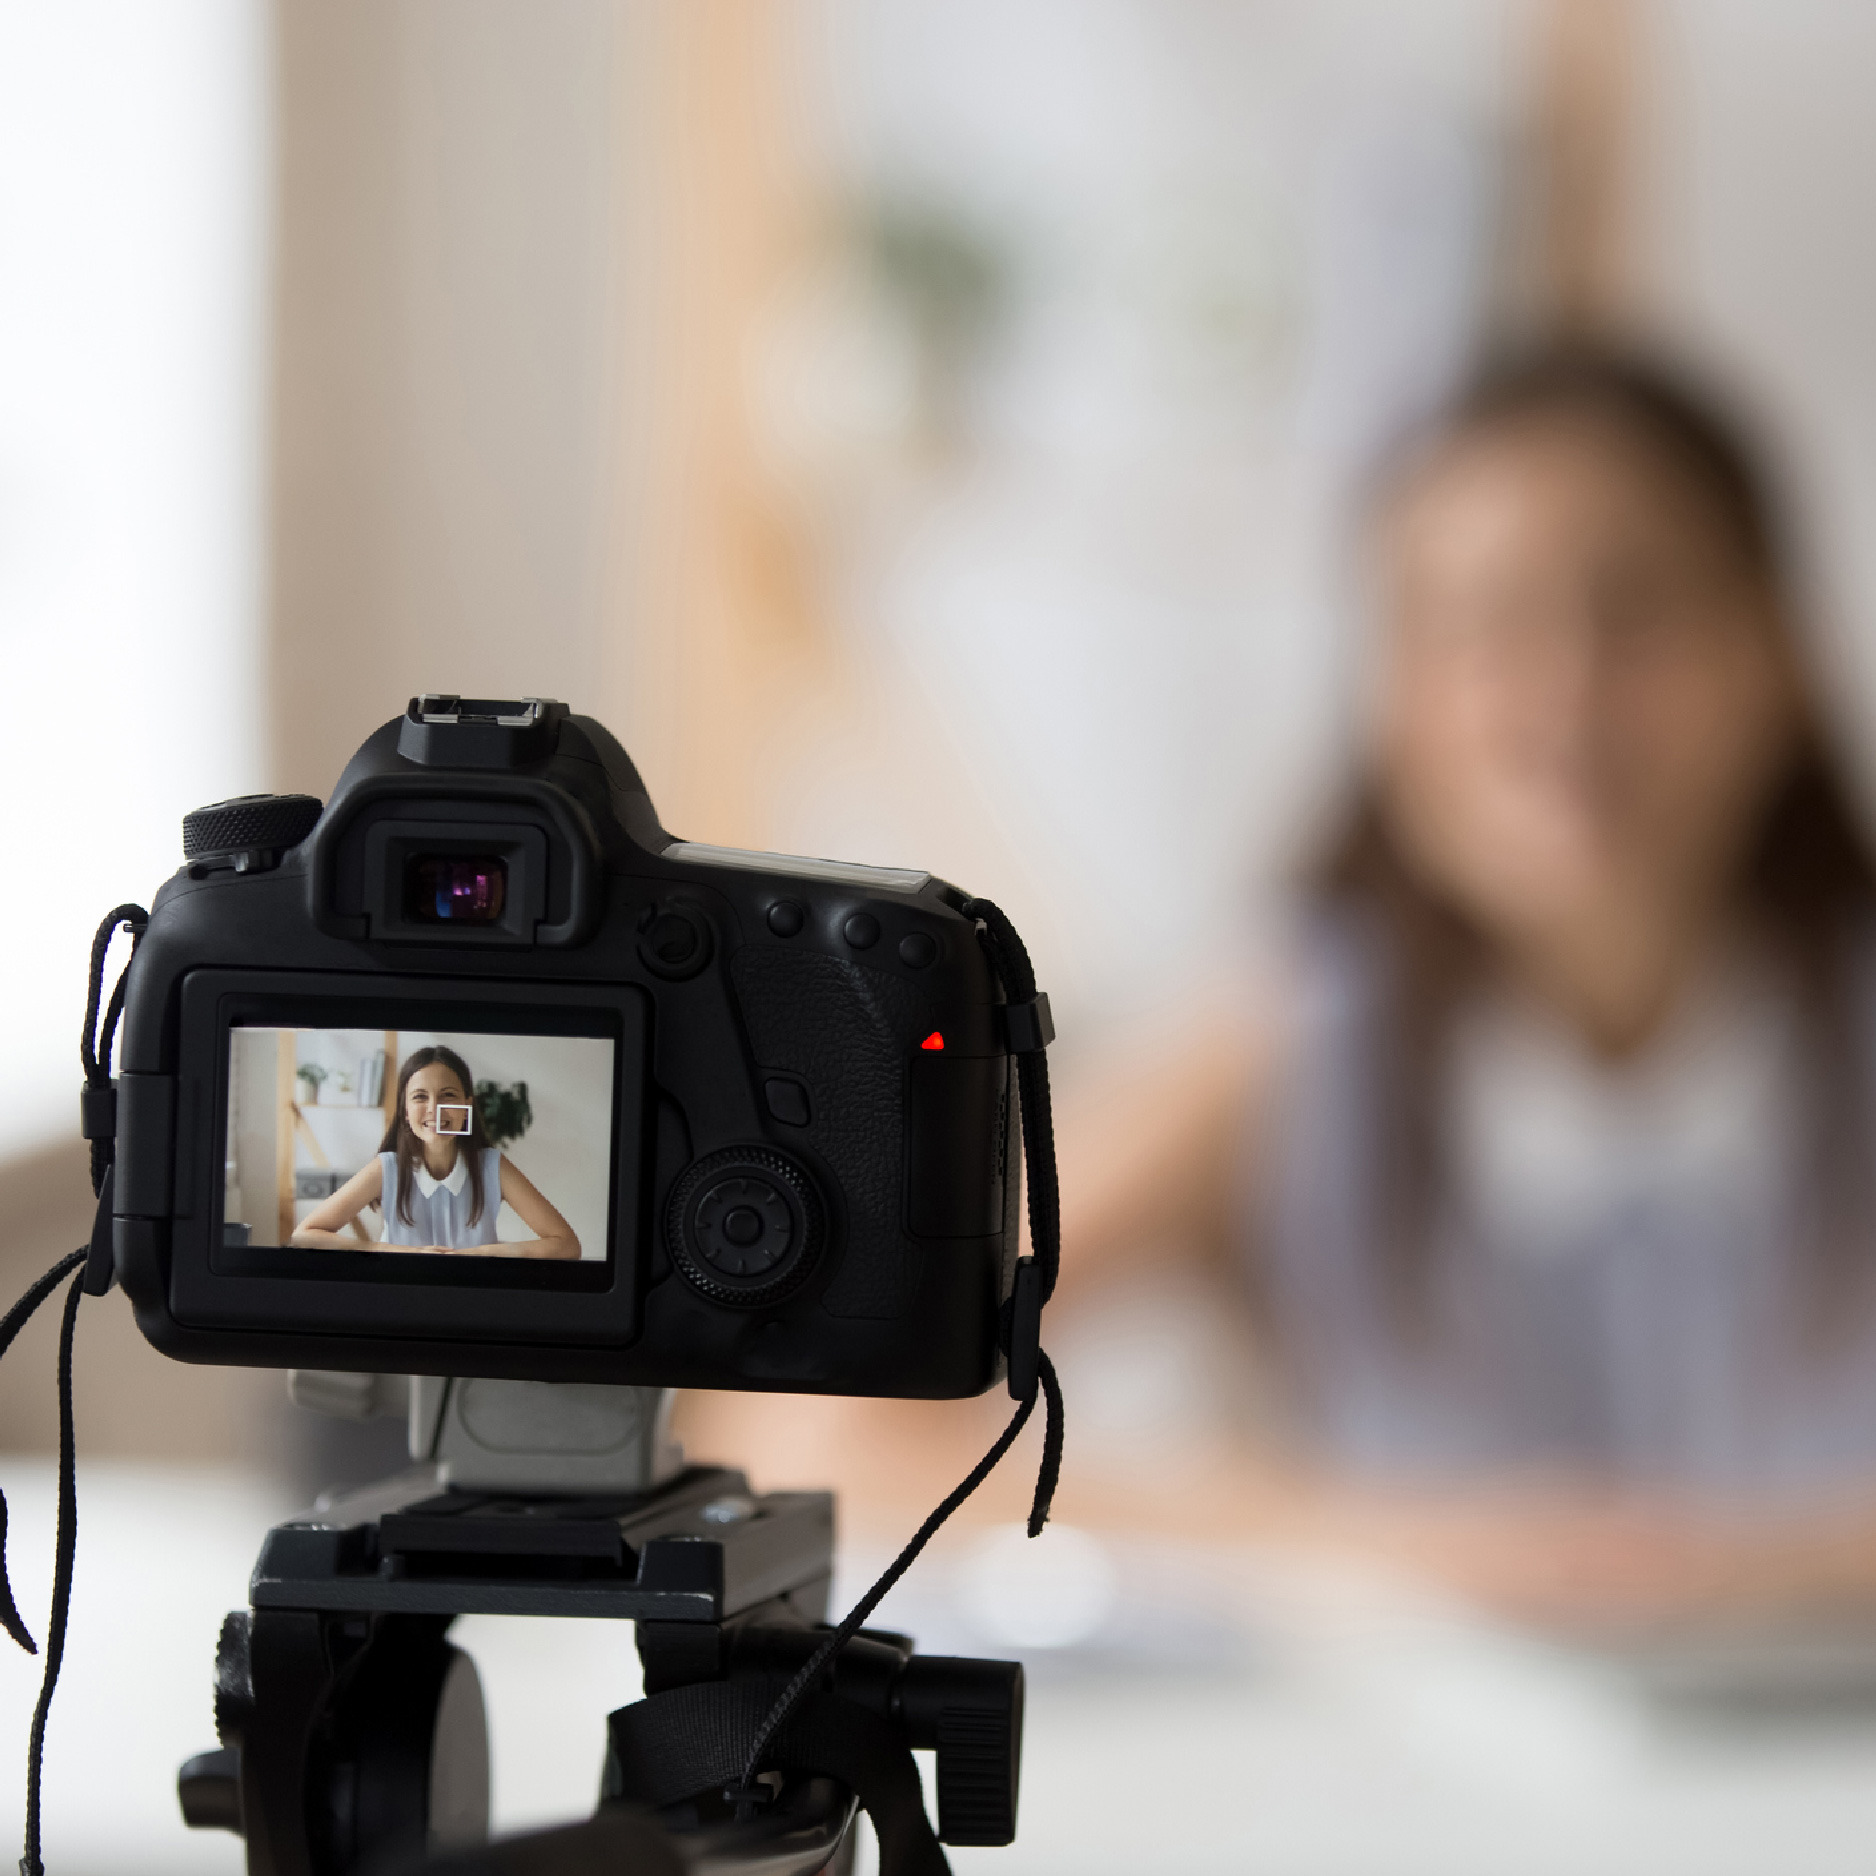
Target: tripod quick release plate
700, 1549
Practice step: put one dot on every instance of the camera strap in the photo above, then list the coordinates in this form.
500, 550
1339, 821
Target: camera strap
1029, 1029
89, 1268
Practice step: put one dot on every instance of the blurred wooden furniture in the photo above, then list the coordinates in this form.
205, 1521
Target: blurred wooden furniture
290, 1124
131, 1402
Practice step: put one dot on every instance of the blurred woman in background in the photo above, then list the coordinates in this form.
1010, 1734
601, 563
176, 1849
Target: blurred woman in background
1553, 1159
1547, 1160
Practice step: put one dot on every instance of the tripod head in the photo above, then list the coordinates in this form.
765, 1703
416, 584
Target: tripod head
354, 1736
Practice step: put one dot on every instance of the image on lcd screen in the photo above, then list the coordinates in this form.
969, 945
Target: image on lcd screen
449, 1143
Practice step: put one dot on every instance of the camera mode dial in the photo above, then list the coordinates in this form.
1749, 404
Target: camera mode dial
248, 833
745, 1226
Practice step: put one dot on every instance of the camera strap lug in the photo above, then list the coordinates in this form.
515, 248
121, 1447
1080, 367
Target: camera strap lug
97, 1117
1025, 1354
97, 1110
1029, 1026
101, 1254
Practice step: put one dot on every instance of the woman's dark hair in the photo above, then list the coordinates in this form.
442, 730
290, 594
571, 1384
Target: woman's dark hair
399, 1139
1807, 875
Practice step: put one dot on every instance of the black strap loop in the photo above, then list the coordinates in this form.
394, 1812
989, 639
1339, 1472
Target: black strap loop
1022, 1319
94, 1050
1010, 957
30, 1864
11, 1324
1030, 1370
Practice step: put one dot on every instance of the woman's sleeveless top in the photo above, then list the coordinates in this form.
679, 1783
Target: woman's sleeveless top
1622, 1279
440, 1213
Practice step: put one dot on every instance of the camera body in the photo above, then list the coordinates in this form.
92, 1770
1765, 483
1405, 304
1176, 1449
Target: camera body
757, 1130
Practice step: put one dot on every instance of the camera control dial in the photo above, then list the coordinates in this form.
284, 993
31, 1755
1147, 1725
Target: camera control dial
248, 833
745, 1225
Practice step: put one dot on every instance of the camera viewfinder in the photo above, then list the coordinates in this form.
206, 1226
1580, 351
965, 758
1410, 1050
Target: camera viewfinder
447, 889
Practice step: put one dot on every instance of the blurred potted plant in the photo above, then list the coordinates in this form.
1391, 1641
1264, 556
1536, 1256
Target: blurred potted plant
506, 1111
311, 1074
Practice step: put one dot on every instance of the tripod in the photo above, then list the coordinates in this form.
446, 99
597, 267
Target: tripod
354, 1735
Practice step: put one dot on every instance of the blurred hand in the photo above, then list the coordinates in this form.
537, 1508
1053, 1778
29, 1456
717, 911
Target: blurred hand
1563, 1554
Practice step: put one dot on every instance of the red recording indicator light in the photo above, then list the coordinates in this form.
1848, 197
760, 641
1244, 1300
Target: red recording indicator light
933, 1041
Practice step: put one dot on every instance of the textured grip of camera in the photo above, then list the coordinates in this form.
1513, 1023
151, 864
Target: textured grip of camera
851, 1034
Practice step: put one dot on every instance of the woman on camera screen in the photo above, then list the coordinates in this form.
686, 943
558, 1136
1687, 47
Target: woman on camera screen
437, 1182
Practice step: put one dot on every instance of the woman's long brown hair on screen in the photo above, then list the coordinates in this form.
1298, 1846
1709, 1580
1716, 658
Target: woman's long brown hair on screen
399, 1139
1807, 880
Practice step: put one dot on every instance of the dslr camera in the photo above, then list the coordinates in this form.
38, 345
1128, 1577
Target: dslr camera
714, 1119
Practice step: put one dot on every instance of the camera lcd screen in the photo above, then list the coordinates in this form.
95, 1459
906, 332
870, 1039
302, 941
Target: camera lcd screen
467, 1147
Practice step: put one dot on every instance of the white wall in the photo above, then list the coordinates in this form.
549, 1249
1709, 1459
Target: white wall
1761, 246
1236, 243
133, 183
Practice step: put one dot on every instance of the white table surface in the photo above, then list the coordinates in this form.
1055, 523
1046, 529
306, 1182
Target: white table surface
1187, 1712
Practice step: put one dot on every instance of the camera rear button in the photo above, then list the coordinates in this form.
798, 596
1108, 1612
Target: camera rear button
861, 931
742, 1225
788, 1101
786, 918
917, 949
673, 939
676, 943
